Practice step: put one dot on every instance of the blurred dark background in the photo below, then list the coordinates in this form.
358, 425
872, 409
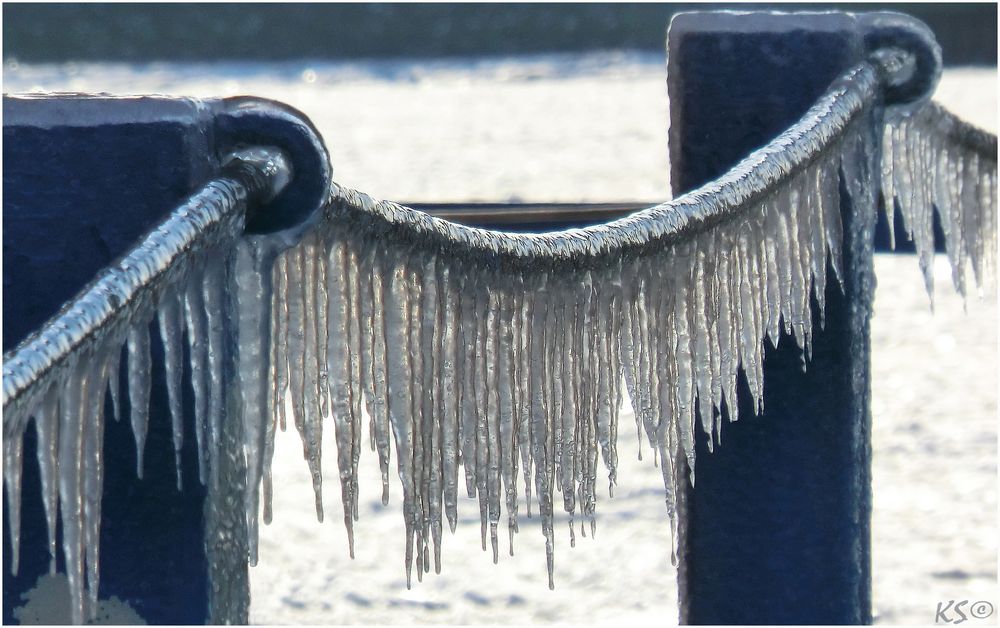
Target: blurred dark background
189, 32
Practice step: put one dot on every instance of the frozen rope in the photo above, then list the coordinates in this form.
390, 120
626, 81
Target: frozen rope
526, 337
493, 360
743, 186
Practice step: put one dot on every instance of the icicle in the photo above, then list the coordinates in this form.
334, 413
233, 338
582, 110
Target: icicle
320, 281
139, 388
681, 354
431, 332
889, 138
833, 227
197, 336
73, 407
380, 374
450, 417
309, 404
817, 245
524, 338
338, 368
297, 341
276, 364
465, 364
541, 435
801, 309
495, 455
13, 449
772, 251
643, 402
253, 300
786, 266
727, 337
417, 392
594, 328
606, 373
93, 479
280, 322
615, 374
171, 328
704, 325
114, 384
480, 358
628, 351
212, 302
47, 428
357, 386
400, 381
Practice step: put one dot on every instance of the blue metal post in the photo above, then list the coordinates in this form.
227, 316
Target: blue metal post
84, 177
777, 528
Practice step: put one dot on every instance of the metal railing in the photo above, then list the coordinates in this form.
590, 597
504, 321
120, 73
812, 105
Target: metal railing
501, 293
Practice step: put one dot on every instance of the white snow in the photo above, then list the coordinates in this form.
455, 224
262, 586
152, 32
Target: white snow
49, 603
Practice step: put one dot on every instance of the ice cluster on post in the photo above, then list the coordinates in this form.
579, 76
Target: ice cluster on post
496, 363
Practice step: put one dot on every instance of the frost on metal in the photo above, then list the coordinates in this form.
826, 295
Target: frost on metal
496, 362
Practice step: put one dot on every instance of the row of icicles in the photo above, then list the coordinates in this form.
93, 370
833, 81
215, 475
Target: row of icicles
496, 378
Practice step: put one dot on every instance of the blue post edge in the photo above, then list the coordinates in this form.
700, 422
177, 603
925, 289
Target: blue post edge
777, 529
84, 177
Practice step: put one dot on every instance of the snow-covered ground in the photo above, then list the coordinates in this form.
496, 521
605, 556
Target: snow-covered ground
594, 128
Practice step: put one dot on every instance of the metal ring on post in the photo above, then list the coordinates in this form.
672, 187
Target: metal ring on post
247, 121
913, 81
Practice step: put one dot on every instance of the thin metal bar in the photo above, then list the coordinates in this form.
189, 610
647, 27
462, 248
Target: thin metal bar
520, 215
